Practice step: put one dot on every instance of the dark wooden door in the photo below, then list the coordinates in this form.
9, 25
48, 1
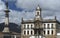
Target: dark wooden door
7, 36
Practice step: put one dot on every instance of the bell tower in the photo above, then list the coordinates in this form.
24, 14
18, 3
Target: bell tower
37, 23
38, 13
6, 27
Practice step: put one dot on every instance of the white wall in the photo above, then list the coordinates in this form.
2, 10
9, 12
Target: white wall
28, 29
46, 29
26, 25
50, 25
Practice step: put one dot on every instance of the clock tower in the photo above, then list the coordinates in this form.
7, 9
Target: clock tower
38, 13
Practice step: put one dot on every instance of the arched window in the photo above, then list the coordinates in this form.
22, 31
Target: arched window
28, 32
52, 32
48, 25
52, 25
27, 26
44, 32
31, 32
48, 31
37, 13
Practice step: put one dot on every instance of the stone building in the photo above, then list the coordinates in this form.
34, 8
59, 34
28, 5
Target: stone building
33, 28
39, 27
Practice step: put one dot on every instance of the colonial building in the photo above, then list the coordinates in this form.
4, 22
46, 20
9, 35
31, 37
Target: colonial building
34, 28
6, 32
39, 27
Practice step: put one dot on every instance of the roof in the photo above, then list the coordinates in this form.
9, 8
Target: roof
27, 21
43, 21
49, 20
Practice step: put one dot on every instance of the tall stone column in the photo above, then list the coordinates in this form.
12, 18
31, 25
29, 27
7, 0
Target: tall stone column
6, 27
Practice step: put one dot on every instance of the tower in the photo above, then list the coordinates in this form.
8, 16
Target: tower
38, 23
6, 27
38, 13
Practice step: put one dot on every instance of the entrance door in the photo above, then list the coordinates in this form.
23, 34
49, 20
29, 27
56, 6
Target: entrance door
7, 36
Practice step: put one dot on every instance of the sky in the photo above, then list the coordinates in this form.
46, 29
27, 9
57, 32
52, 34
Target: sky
26, 9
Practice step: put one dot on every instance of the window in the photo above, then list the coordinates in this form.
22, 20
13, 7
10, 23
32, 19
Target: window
24, 32
37, 13
44, 32
31, 32
48, 25
52, 25
48, 31
28, 26
28, 32
52, 31
24, 26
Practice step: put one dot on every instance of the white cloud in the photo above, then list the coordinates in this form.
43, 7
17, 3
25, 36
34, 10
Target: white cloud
2, 5
45, 4
11, 0
26, 4
15, 16
50, 8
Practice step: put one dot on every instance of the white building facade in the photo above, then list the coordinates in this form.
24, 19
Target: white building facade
38, 27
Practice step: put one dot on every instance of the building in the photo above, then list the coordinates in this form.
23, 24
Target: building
6, 32
39, 27
35, 28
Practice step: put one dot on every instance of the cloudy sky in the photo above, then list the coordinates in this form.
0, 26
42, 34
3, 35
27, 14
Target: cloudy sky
26, 9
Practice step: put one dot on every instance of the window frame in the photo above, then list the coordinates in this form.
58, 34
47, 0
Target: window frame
28, 32
48, 32
31, 32
27, 26
24, 32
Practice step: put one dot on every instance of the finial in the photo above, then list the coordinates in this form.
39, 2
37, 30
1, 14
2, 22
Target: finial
6, 3
38, 7
22, 19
